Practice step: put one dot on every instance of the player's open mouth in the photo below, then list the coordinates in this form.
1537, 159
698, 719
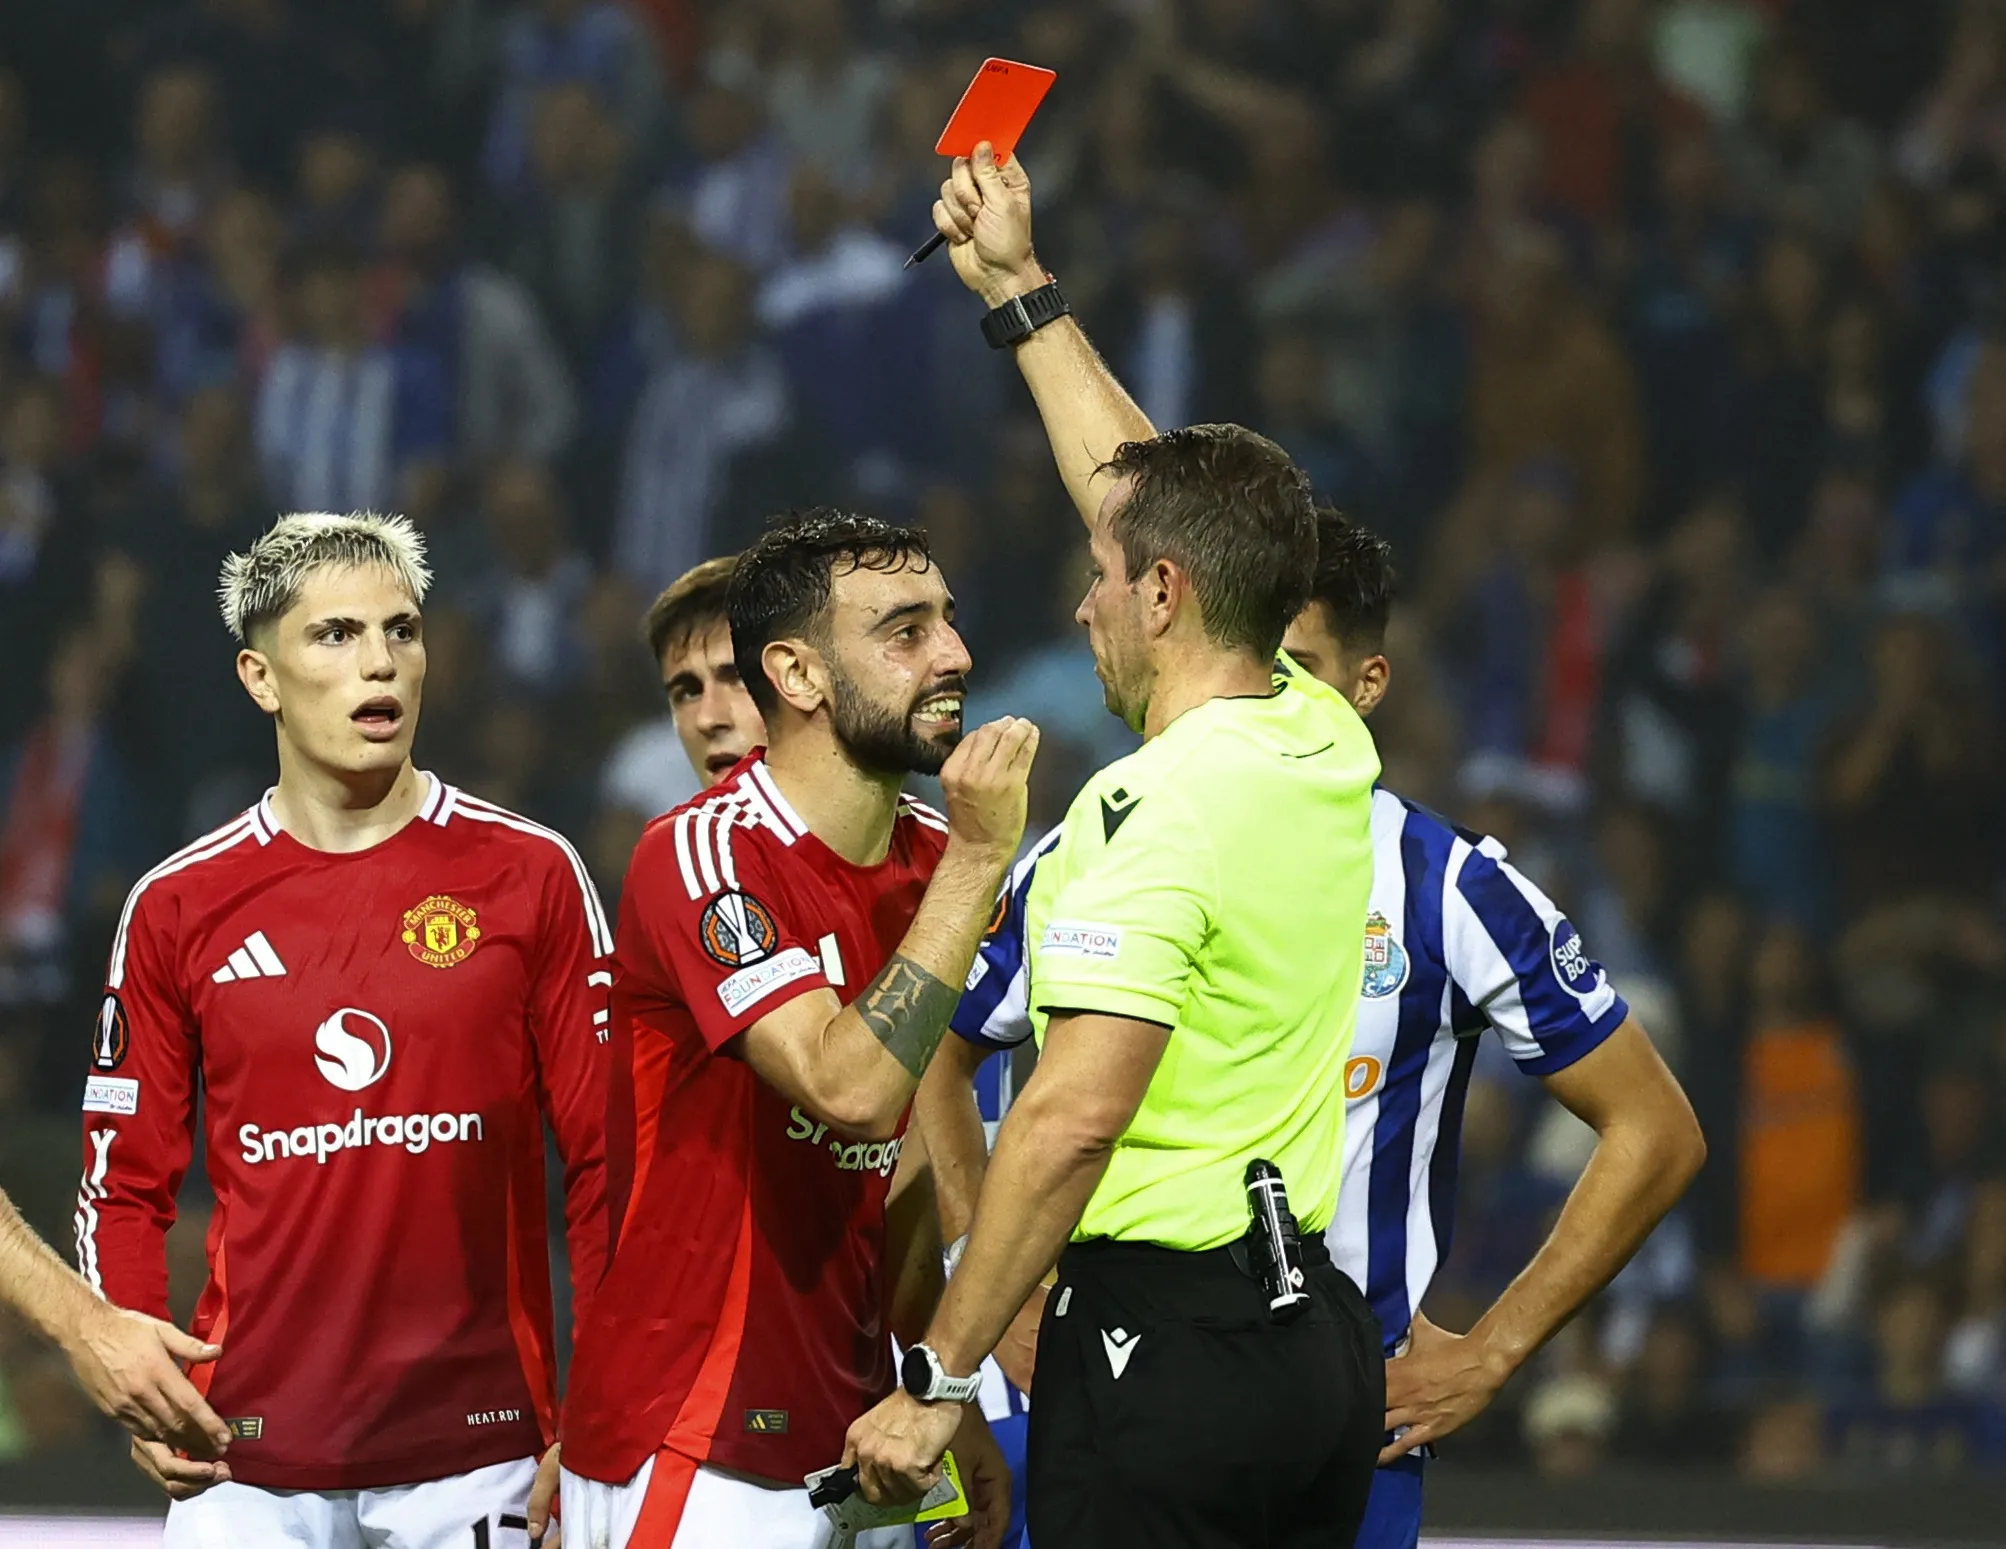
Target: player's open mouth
378, 719
940, 710
718, 763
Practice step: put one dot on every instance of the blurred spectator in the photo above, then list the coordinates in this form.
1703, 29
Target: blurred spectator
1527, 633
598, 44
1597, 112
1681, 284
1910, 778
1671, 713
1666, 1417
825, 91
1549, 380
1784, 1442
70, 839
469, 328
1776, 849
834, 260
1778, 403
735, 198
1178, 337
177, 171
1568, 1423
1911, 1424
718, 397
219, 315
45, 549
343, 424
208, 748
1947, 530
1797, 159
1965, 110
1800, 1123
532, 597
573, 229
337, 166
856, 361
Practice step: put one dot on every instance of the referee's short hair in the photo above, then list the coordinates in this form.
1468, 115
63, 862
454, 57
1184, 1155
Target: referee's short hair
691, 604
780, 586
1355, 580
1232, 511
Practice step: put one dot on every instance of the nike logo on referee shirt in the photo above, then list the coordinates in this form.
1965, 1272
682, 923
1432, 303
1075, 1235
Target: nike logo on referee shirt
1120, 1345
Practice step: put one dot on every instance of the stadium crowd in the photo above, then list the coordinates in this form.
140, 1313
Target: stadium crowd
1666, 339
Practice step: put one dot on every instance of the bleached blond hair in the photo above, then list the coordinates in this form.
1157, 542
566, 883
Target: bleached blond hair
261, 583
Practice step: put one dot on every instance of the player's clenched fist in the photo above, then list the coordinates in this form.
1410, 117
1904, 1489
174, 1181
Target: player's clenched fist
984, 211
987, 780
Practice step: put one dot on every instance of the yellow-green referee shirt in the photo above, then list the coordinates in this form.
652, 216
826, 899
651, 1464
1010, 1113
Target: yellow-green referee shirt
1215, 881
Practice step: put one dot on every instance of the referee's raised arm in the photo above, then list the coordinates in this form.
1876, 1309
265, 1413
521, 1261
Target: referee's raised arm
1205, 1376
984, 211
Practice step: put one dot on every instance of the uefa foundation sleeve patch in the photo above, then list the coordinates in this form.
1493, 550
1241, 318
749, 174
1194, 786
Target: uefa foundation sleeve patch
753, 984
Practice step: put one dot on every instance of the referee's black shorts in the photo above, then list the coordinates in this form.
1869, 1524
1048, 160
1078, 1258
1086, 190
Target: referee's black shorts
1171, 1413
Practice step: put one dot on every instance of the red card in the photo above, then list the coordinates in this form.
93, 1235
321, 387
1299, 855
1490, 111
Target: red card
998, 104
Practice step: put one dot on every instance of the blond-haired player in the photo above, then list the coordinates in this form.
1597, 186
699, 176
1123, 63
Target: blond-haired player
382, 986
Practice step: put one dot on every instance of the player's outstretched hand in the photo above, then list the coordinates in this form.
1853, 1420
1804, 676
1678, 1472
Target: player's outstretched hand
1438, 1384
987, 783
544, 1530
127, 1363
182, 1478
986, 1478
984, 211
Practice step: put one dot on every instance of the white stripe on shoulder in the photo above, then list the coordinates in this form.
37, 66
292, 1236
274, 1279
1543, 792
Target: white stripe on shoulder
703, 842
236, 831
463, 805
435, 788
782, 808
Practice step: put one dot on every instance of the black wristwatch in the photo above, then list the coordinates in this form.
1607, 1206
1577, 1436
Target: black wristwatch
1021, 316
922, 1375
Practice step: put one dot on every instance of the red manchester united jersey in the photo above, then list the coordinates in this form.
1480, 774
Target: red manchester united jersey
743, 1319
377, 1037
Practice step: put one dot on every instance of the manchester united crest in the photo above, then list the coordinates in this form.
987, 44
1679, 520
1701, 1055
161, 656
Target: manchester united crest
441, 931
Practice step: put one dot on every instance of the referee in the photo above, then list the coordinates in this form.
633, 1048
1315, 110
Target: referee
1193, 987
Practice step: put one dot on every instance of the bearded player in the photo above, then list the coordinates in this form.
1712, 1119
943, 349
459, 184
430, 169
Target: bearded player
790, 950
688, 630
382, 987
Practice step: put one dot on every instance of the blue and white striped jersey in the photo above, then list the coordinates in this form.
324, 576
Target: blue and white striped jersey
1456, 940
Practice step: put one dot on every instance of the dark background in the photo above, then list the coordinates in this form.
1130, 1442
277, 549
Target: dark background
1666, 339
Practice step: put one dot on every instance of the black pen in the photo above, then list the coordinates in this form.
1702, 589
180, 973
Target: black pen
924, 251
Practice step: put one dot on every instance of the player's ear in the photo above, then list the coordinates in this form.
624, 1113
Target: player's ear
797, 672
1165, 592
1369, 684
254, 671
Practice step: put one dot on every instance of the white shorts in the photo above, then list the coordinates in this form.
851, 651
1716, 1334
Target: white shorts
485, 1509
674, 1503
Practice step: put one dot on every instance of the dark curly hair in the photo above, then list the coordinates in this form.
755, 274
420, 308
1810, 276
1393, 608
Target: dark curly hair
1355, 579
780, 586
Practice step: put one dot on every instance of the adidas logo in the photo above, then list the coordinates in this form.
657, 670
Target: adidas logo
255, 959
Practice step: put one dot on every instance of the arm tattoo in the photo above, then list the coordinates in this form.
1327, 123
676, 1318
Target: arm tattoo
906, 1009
